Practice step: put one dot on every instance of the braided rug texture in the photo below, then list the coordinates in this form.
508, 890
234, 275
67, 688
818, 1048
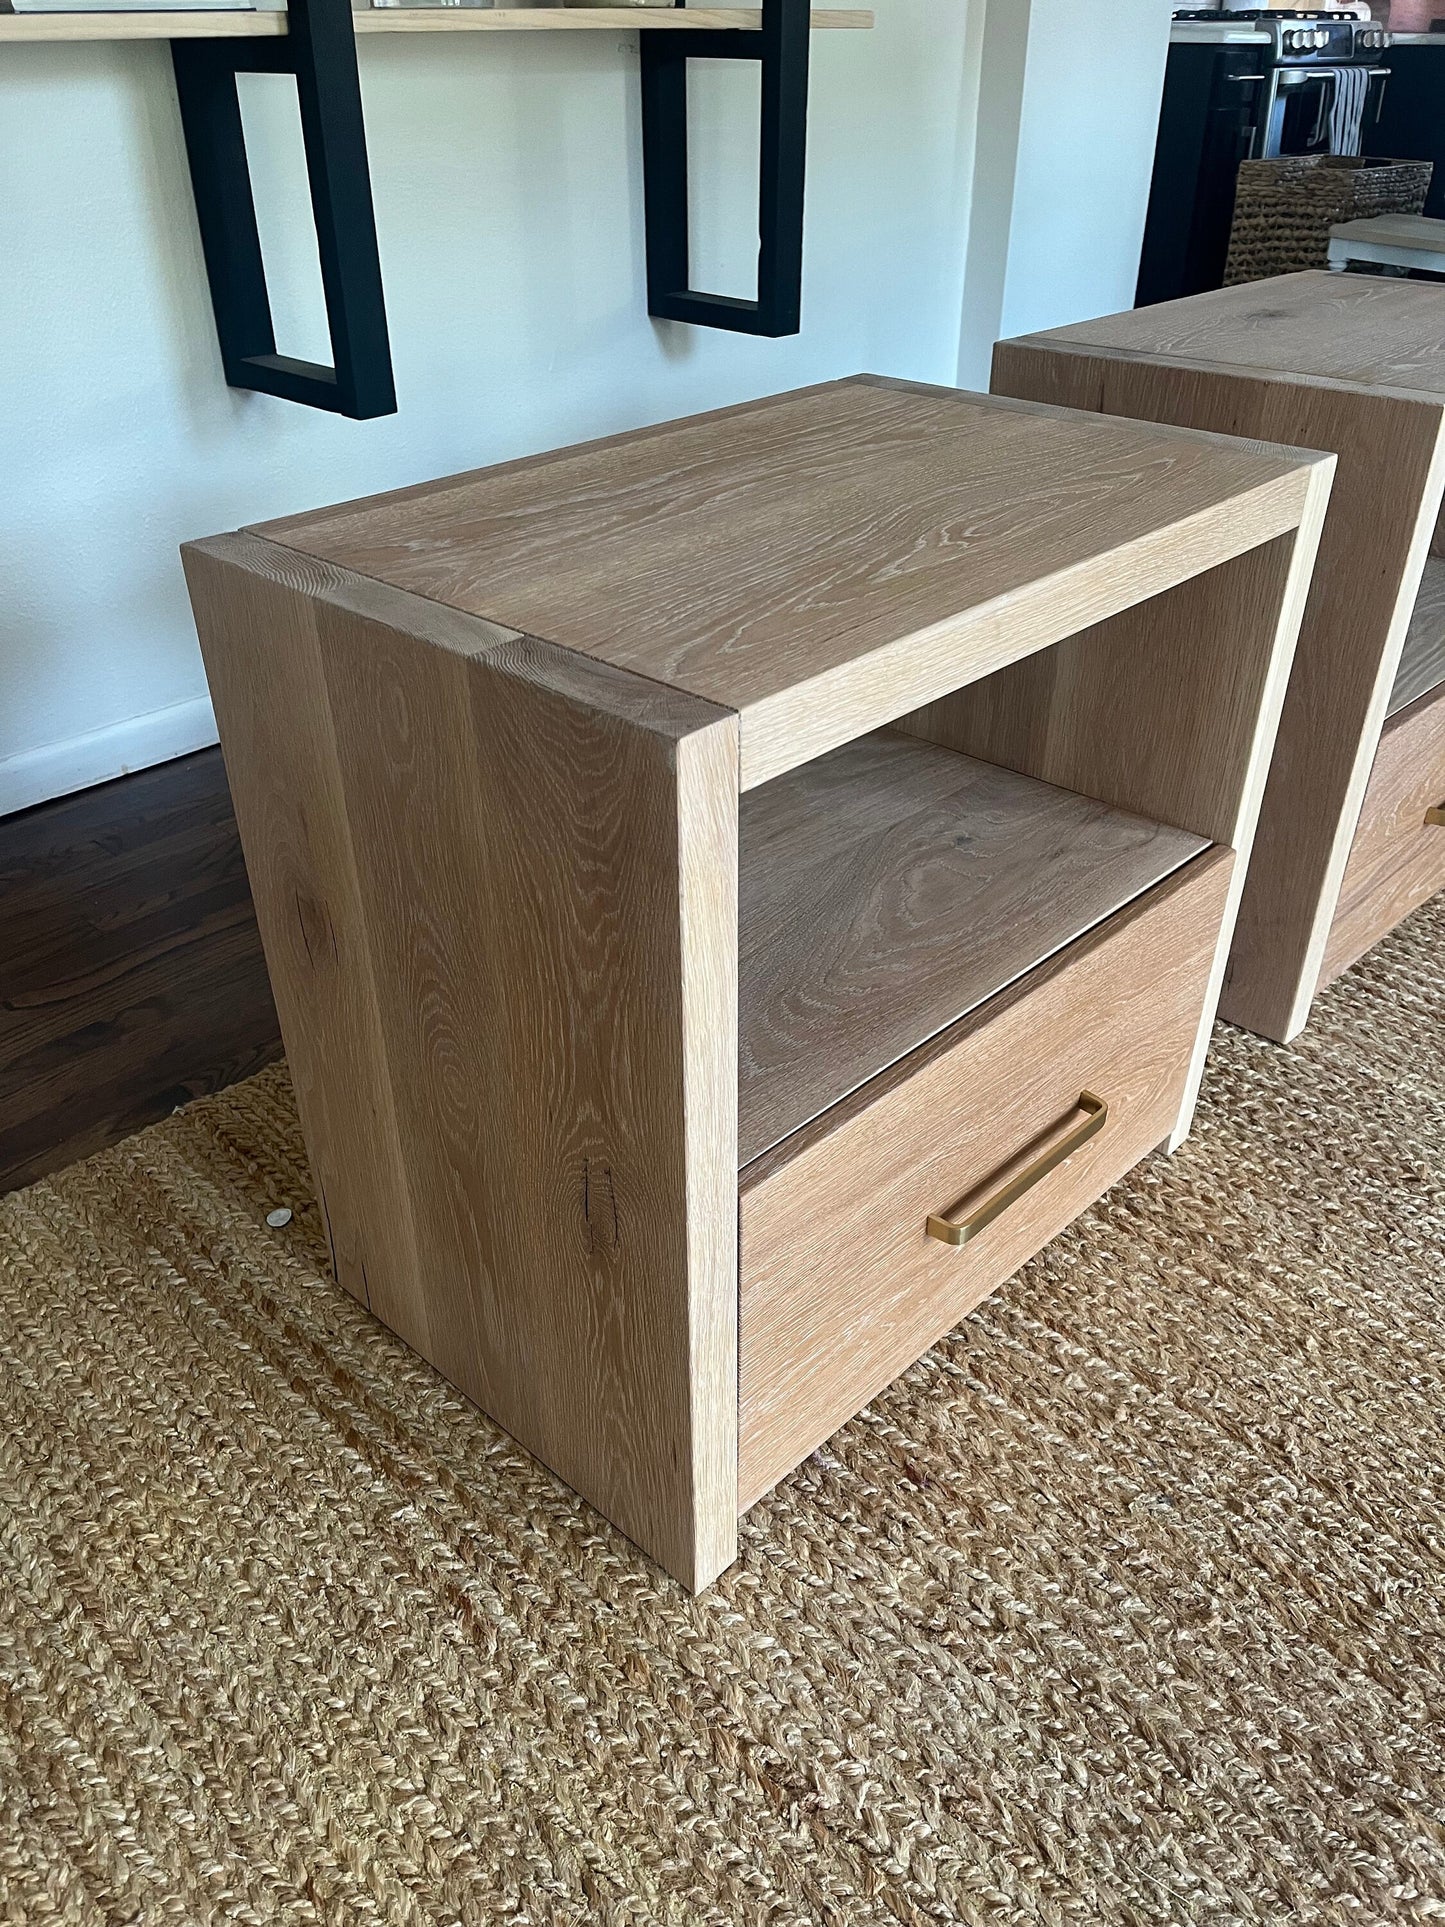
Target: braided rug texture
1124, 1606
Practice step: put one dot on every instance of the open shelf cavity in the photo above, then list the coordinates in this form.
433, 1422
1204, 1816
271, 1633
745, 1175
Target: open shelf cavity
1422, 662
890, 887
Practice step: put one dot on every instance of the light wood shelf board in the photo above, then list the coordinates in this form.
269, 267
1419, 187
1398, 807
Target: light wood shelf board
33, 27
1422, 662
890, 887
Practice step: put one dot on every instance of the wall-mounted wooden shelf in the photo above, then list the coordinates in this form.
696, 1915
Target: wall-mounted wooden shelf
20, 28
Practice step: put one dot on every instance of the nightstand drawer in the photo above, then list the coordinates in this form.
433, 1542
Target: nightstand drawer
1397, 860
1006, 1125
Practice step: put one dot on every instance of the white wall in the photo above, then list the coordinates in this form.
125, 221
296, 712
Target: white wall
507, 180
1068, 111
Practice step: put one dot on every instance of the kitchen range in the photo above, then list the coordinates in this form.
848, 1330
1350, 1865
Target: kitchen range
1249, 84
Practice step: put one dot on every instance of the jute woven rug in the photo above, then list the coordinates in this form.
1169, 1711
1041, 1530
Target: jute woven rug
1124, 1606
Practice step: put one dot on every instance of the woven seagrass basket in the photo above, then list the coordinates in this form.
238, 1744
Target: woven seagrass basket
1284, 209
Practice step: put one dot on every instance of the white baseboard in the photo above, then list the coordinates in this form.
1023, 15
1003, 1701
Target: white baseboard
79, 762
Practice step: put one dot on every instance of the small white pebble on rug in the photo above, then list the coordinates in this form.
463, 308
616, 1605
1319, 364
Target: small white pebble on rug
282, 1215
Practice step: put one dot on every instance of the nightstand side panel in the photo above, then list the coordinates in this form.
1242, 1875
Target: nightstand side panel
1382, 514
543, 855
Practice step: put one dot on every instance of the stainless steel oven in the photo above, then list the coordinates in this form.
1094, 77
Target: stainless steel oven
1248, 85
1301, 107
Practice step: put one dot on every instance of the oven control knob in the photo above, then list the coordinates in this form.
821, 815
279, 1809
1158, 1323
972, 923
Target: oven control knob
1290, 37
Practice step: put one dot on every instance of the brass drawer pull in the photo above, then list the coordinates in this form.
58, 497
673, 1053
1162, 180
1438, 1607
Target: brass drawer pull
1435, 813
958, 1231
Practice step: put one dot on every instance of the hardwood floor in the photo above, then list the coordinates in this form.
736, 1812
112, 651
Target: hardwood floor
131, 974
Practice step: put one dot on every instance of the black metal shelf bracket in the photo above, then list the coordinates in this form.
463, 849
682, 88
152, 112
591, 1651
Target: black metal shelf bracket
319, 49
781, 45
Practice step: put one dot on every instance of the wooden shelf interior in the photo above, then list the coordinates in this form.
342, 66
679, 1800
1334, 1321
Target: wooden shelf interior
19, 28
888, 888
1422, 663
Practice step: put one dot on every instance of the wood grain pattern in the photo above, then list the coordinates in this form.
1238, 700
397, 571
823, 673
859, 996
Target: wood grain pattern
1366, 331
1200, 676
841, 1287
497, 883
824, 561
1422, 660
1386, 498
259, 641
891, 886
1397, 861
20, 28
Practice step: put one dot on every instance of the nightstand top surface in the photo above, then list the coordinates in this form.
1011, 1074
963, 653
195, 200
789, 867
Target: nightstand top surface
823, 561
1369, 331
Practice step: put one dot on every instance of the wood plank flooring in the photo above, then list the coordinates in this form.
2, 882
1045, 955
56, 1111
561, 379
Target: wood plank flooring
131, 974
